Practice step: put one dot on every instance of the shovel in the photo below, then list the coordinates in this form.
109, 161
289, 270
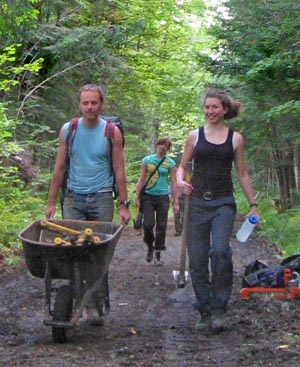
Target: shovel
181, 276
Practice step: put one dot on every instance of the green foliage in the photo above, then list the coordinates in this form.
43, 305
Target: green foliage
17, 211
17, 206
9, 72
256, 58
282, 229
290, 107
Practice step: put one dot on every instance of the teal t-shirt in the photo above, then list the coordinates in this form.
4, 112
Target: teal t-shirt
158, 184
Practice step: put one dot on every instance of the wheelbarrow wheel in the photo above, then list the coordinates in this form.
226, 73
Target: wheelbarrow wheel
62, 312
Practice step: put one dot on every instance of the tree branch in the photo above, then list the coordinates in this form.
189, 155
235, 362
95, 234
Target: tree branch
45, 81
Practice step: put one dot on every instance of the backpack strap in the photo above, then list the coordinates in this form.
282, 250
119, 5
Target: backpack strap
110, 129
72, 128
110, 135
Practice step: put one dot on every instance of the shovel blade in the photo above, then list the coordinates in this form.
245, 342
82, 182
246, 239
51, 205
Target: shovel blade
179, 279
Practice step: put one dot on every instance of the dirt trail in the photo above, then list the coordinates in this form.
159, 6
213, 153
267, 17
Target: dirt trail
151, 322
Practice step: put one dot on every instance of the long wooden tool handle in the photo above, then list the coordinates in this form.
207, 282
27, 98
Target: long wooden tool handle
184, 239
184, 233
58, 228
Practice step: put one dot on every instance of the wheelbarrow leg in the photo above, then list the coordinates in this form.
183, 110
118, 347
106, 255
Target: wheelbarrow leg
79, 303
106, 294
63, 307
47, 310
77, 284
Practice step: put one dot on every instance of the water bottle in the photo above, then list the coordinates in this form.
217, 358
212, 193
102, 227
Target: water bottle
247, 228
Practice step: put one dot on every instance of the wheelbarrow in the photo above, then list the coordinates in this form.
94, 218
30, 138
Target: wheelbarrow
79, 265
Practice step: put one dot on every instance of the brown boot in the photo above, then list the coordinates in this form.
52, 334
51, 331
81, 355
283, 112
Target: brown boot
149, 256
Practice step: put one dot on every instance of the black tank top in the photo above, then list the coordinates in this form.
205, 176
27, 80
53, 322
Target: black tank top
212, 167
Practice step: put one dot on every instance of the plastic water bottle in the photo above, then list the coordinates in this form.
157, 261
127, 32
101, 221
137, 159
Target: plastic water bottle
247, 228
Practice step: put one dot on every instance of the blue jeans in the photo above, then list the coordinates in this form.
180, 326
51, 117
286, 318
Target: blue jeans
208, 238
91, 207
98, 206
155, 210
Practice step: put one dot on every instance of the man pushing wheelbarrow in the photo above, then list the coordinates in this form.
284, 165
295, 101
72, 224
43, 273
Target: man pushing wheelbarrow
89, 162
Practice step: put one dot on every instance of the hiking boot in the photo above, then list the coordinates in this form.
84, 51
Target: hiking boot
218, 322
93, 317
149, 256
204, 323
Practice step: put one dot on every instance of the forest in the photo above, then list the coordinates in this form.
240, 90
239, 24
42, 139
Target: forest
154, 59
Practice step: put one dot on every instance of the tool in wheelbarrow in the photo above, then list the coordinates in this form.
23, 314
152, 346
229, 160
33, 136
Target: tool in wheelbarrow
85, 237
71, 241
181, 276
71, 273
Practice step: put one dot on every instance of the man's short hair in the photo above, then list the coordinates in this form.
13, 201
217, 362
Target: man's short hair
93, 88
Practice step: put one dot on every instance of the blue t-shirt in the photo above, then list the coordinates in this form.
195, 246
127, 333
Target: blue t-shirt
90, 169
158, 184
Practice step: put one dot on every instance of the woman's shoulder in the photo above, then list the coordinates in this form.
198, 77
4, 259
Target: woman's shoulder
237, 134
170, 160
196, 130
194, 133
149, 157
237, 139
193, 136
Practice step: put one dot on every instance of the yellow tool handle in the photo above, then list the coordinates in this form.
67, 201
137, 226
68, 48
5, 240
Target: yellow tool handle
56, 227
59, 241
188, 176
87, 232
95, 240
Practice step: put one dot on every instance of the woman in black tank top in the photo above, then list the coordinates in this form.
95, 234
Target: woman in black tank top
213, 149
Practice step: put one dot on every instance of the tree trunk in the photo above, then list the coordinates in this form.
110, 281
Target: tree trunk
156, 125
284, 163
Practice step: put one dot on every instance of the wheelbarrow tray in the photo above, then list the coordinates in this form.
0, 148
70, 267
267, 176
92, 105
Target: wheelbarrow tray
93, 260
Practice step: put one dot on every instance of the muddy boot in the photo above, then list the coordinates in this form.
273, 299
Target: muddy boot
149, 256
204, 323
218, 322
157, 259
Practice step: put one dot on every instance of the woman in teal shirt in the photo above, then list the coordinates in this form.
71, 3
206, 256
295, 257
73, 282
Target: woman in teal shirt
154, 201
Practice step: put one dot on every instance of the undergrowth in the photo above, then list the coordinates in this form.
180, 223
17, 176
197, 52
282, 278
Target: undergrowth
17, 211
